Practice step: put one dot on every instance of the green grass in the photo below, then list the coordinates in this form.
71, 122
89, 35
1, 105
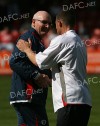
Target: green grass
8, 116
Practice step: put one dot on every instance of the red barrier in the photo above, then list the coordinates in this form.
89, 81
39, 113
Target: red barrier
4, 62
93, 65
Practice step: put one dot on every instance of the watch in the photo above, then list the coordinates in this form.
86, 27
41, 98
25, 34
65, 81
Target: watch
35, 75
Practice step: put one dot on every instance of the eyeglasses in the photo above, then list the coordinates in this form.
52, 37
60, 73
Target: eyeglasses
44, 22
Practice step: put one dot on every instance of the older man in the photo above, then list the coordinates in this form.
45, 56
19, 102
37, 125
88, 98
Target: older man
66, 55
29, 84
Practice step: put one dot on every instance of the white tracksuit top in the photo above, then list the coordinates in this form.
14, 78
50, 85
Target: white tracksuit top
68, 81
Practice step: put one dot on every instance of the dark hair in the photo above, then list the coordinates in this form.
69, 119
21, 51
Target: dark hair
68, 17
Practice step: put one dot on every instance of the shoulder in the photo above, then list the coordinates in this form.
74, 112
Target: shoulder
57, 40
61, 39
27, 34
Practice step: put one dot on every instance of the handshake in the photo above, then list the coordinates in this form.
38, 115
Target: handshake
43, 81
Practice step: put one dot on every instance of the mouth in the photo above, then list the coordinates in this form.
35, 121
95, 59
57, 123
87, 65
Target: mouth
44, 30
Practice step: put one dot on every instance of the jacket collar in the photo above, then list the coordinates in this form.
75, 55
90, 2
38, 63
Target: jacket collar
35, 33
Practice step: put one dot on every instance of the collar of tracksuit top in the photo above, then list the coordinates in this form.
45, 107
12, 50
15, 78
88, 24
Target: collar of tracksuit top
37, 41
34, 32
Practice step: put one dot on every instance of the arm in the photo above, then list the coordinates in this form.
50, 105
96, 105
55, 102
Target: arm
48, 57
20, 64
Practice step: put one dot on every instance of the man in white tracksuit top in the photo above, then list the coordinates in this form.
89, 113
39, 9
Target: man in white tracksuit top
67, 57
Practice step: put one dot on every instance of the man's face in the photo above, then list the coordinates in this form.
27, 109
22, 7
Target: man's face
42, 24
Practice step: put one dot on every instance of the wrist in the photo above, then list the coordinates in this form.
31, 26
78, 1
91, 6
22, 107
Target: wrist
27, 50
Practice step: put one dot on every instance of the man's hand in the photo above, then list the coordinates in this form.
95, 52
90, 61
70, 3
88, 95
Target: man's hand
43, 81
23, 45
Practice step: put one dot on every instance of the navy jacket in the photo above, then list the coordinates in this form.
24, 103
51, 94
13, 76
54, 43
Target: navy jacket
23, 87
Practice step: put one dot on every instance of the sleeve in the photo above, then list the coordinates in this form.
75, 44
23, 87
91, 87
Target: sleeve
59, 51
20, 64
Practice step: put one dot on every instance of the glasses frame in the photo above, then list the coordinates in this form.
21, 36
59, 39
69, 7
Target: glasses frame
44, 22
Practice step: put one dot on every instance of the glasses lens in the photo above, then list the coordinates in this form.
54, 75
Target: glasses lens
46, 22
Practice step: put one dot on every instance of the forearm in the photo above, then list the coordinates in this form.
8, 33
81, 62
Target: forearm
22, 66
26, 71
31, 55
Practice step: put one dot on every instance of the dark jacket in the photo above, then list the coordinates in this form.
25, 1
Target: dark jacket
23, 87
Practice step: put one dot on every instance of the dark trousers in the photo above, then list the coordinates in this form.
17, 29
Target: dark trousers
73, 115
31, 115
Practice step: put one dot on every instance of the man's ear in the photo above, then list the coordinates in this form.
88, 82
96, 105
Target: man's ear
33, 22
60, 23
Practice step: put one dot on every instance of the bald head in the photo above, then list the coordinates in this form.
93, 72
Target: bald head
41, 22
42, 15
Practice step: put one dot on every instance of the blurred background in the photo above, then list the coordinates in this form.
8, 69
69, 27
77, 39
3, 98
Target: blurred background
15, 19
